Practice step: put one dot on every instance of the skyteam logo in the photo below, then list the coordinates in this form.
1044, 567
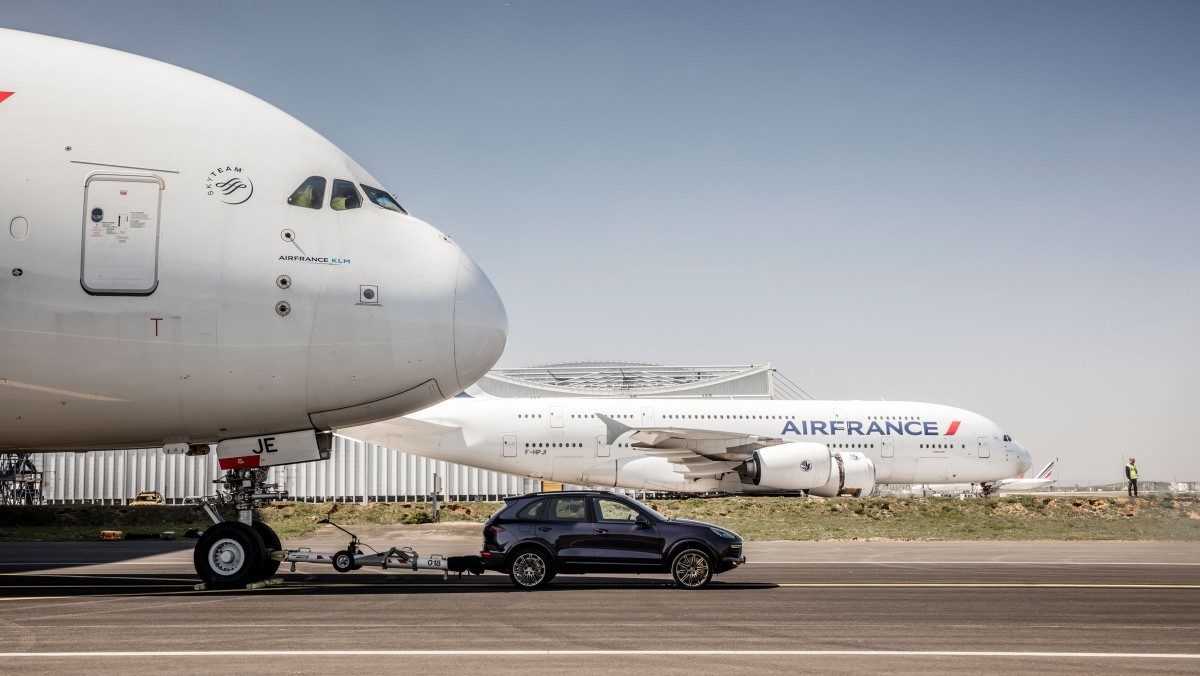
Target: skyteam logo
910, 428
229, 185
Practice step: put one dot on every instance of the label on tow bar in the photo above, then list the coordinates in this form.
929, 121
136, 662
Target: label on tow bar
274, 449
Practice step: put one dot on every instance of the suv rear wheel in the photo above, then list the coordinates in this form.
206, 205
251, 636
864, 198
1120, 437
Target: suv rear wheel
691, 568
530, 569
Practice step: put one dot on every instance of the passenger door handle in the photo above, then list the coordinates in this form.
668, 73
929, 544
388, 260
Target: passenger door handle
544, 529
601, 530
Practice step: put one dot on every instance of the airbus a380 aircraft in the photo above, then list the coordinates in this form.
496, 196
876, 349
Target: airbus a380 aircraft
736, 446
184, 264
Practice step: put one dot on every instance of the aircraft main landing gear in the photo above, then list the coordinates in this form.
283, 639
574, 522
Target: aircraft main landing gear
235, 553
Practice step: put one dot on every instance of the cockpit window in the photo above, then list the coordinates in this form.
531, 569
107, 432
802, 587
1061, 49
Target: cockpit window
345, 196
382, 198
310, 194
1007, 438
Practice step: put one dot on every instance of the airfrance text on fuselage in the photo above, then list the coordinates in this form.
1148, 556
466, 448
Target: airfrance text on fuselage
882, 428
323, 260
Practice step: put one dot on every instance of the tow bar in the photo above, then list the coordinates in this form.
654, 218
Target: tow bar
353, 558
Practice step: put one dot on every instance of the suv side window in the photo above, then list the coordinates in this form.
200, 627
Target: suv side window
608, 509
534, 511
569, 509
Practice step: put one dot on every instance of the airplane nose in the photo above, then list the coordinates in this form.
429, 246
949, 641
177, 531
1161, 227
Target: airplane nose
1024, 460
480, 323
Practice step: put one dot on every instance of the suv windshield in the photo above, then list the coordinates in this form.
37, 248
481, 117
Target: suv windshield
382, 198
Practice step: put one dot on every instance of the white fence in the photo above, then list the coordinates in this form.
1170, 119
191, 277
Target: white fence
355, 472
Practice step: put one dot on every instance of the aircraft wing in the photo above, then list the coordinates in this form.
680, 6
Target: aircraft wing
391, 433
694, 452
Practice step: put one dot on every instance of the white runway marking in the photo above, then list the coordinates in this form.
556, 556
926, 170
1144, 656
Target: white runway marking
506, 653
75, 564
984, 585
975, 563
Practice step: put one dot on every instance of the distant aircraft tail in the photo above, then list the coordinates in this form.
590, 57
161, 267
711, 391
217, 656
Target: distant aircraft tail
1047, 470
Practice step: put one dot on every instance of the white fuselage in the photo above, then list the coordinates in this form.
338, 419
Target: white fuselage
562, 440
156, 285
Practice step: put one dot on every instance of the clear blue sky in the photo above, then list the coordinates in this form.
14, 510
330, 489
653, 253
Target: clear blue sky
992, 206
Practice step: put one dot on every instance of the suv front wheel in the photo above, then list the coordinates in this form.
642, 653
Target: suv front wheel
691, 568
530, 569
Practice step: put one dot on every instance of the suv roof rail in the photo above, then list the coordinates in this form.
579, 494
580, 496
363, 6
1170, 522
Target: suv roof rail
577, 491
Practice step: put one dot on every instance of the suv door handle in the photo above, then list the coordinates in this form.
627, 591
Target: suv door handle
601, 530
544, 529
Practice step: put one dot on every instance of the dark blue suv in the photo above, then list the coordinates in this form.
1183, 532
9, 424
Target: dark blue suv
536, 536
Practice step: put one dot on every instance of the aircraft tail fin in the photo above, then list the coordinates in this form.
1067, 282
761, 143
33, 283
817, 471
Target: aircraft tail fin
1047, 470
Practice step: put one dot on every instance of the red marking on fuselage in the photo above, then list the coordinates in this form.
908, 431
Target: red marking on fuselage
5, 95
952, 429
244, 462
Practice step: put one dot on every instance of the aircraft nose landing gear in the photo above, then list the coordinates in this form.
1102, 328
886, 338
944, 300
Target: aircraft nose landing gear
230, 554
234, 553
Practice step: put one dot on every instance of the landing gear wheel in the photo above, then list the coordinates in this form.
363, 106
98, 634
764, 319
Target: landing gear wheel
531, 569
343, 561
230, 554
691, 569
271, 540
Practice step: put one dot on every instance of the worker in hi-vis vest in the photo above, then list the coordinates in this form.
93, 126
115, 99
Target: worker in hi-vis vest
1131, 475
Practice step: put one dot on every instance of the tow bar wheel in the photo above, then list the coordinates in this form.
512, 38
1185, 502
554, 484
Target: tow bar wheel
691, 569
343, 561
230, 554
530, 569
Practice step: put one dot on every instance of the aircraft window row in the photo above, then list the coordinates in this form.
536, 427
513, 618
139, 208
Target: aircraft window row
311, 195
536, 444
670, 416
893, 417
852, 445
529, 415
940, 445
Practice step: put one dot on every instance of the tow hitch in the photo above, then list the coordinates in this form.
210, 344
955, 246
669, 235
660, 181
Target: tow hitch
353, 558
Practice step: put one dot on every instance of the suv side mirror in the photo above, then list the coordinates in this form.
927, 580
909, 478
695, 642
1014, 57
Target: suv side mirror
642, 521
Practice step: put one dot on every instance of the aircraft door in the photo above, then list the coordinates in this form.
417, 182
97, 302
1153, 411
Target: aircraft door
889, 450
509, 446
603, 449
120, 234
984, 447
647, 417
556, 416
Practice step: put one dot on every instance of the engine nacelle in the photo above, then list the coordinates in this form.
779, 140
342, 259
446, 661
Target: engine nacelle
796, 466
853, 474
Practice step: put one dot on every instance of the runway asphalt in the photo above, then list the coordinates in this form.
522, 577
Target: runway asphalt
835, 607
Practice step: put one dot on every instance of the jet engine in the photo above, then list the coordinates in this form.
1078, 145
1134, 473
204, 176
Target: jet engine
790, 467
853, 474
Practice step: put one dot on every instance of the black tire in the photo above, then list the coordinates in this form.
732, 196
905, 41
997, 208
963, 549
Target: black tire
343, 561
271, 540
692, 568
230, 554
530, 568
